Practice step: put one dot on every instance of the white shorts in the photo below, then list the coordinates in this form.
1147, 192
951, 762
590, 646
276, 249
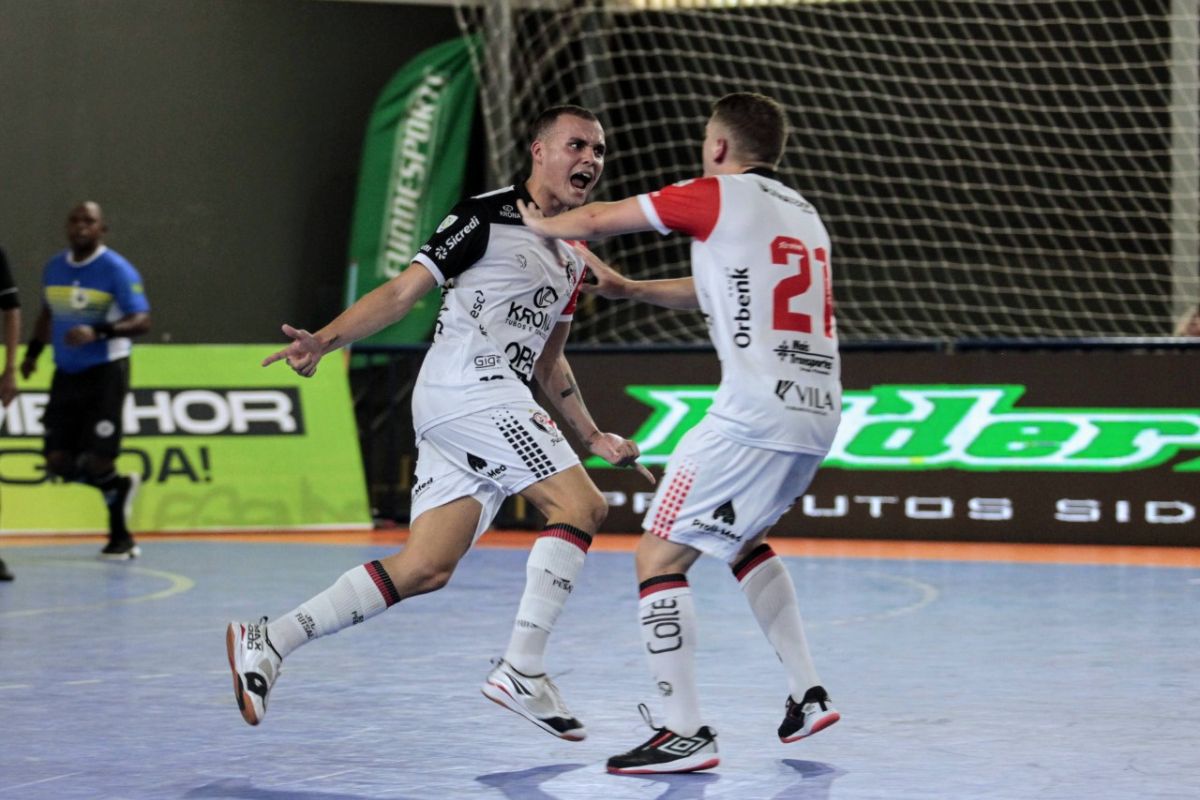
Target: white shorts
488, 455
717, 494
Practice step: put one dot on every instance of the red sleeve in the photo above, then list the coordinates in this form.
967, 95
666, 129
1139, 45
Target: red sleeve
691, 207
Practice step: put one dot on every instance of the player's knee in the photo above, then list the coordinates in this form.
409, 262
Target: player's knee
595, 509
62, 465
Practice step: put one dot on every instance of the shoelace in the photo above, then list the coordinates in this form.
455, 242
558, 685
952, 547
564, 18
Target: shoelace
645, 712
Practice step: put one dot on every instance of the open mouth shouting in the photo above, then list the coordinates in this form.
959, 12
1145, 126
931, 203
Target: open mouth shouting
582, 179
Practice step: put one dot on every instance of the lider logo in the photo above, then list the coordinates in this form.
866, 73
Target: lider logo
976, 428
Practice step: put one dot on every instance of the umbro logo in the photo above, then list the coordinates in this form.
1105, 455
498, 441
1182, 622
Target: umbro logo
683, 747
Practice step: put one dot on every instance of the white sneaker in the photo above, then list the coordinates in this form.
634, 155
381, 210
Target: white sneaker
534, 697
255, 664
810, 715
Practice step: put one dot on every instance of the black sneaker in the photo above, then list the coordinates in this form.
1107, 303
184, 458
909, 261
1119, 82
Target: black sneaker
5, 574
120, 548
667, 751
810, 715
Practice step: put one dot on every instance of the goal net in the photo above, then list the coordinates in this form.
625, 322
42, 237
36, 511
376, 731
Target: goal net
1025, 168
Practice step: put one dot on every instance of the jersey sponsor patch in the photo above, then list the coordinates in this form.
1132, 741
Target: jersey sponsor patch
446, 223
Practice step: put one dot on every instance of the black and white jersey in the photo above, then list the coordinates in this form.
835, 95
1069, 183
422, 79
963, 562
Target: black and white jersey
505, 290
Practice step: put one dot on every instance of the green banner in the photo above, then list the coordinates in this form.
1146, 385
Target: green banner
961, 427
220, 443
414, 159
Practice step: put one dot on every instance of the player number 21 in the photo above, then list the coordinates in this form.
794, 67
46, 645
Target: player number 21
786, 250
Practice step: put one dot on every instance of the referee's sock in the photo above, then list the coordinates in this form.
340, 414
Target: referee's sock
114, 487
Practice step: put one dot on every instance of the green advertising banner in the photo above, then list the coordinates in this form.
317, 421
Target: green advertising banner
1087, 446
220, 442
980, 428
414, 159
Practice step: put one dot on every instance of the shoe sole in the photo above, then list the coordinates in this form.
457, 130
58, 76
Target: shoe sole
245, 704
821, 725
126, 556
673, 767
500, 696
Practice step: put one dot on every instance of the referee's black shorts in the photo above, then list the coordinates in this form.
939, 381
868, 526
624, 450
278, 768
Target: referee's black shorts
85, 409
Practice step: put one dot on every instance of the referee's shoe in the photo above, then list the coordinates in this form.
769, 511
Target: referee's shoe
121, 546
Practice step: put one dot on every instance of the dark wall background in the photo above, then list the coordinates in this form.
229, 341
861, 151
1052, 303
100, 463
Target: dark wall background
222, 138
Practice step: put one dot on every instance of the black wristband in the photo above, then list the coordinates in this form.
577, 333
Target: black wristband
34, 349
103, 330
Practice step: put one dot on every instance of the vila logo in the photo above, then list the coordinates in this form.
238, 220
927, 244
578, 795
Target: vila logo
725, 513
781, 388
476, 463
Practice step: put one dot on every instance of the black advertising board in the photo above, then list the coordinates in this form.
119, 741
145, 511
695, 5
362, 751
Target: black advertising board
1068, 446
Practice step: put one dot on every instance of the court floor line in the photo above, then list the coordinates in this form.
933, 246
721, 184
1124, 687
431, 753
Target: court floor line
178, 585
875, 549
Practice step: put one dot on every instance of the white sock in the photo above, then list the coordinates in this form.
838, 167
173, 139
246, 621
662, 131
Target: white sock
772, 596
554, 563
668, 622
358, 595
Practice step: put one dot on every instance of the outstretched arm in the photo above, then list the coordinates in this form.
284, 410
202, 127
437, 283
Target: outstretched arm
372, 312
677, 293
589, 221
558, 382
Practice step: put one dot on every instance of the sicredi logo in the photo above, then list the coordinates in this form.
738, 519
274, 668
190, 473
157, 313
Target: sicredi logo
181, 411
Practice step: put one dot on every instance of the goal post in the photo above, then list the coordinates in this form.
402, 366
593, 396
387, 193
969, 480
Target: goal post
1022, 169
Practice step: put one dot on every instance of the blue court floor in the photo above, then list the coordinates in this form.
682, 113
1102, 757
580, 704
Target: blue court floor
954, 680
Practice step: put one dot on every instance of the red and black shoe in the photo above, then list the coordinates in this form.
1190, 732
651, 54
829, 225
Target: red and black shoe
667, 752
810, 715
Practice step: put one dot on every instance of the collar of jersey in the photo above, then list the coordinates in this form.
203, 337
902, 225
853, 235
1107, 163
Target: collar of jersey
523, 194
99, 252
766, 172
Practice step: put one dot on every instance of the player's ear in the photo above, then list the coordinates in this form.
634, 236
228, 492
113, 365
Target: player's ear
720, 150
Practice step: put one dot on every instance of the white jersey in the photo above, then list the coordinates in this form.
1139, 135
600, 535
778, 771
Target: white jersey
505, 290
761, 263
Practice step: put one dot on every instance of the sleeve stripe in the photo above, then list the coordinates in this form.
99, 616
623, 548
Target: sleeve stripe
652, 214
429, 264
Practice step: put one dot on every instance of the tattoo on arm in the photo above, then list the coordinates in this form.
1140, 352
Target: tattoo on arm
570, 390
